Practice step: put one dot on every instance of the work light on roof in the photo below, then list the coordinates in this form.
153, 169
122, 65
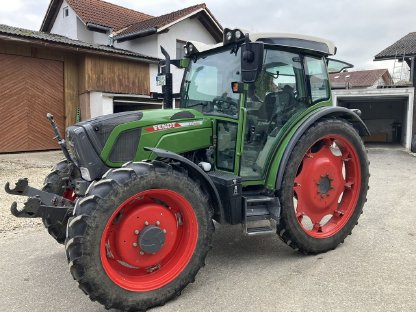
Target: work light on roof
190, 49
232, 36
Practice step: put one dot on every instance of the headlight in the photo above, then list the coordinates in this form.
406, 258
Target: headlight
85, 174
229, 35
71, 150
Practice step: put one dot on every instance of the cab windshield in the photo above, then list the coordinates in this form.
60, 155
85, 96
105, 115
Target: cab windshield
207, 84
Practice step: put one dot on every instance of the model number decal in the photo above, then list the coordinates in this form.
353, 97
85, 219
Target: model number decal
172, 125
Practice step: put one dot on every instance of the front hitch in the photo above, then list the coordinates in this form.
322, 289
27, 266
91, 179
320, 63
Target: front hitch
40, 204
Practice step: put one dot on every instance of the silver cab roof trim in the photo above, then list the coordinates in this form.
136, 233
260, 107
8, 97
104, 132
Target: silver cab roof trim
330, 44
201, 47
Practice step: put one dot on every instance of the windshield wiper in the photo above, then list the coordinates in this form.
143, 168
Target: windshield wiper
186, 95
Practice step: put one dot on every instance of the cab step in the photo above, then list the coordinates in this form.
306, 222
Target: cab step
261, 214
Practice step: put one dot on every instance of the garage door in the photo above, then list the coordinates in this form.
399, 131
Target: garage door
385, 117
29, 89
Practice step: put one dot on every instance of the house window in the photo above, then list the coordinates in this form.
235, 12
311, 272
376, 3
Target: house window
180, 52
65, 11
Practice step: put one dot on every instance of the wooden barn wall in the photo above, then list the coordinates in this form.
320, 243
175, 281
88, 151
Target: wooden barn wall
114, 76
71, 73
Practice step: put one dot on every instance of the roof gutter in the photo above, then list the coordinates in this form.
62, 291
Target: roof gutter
69, 47
137, 34
98, 28
392, 58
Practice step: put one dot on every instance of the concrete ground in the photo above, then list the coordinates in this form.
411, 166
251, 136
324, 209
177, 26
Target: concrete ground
374, 270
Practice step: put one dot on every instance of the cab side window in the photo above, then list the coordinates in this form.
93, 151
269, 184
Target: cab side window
317, 78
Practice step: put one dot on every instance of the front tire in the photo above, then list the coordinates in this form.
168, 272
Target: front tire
139, 236
57, 182
324, 187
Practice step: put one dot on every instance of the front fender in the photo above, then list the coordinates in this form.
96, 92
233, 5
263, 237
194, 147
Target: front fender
196, 173
275, 176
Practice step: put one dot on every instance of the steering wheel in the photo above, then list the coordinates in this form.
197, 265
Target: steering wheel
225, 105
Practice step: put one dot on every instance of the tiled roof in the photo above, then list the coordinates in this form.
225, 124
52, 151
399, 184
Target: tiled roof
357, 79
160, 21
406, 45
124, 22
66, 42
106, 14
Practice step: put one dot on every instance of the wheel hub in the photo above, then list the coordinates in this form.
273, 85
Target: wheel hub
325, 185
151, 239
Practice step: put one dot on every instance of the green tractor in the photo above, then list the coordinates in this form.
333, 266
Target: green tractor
256, 141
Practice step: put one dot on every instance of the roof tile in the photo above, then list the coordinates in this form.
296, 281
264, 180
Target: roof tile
160, 21
406, 45
357, 79
106, 14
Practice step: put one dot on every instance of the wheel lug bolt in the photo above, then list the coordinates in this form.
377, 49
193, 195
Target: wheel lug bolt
134, 244
146, 223
141, 253
157, 223
136, 232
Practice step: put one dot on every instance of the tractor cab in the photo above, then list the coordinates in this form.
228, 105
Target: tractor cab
255, 87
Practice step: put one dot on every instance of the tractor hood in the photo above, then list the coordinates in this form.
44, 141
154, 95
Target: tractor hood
118, 138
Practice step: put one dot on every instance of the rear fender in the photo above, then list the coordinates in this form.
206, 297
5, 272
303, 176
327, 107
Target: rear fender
322, 113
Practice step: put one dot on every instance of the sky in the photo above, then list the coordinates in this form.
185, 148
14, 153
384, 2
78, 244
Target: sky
360, 29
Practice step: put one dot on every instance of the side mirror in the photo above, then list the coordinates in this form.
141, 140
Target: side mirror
336, 66
251, 61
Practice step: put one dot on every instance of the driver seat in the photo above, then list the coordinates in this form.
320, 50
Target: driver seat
276, 102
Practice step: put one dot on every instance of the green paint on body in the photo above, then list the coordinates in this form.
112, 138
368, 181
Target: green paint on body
178, 136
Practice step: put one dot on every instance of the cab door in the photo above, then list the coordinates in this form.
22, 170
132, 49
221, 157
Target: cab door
281, 93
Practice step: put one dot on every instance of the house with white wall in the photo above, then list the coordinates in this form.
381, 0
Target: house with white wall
103, 23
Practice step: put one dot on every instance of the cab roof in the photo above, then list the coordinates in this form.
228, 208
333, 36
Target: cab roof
311, 43
297, 41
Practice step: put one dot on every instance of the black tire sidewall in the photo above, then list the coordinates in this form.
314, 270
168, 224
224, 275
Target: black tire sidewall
55, 183
291, 227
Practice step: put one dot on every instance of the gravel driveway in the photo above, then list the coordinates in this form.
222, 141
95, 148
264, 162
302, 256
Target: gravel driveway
34, 166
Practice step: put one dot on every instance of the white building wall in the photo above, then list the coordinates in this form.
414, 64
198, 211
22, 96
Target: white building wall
146, 45
83, 34
152, 75
186, 30
86, 35
100, 104
100, 38
65, 26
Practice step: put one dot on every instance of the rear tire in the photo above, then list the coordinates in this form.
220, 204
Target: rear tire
324, 187
104, 244
56, 182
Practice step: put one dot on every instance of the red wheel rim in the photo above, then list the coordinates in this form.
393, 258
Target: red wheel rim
122, 257
69, 194
327, 186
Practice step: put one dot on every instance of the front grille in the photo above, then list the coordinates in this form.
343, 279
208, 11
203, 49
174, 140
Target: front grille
126, 146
